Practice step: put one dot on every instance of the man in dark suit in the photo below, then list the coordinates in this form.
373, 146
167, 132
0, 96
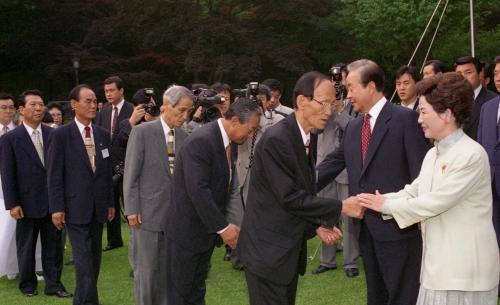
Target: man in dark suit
488, 135
80, 189
110, 118
148, 181
470, 68
381, 150
22, 166
195, 219
282, 210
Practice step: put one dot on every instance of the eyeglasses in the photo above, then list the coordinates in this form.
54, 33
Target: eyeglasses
326, 105
4, 107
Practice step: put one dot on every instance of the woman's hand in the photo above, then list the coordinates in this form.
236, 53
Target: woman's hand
371, 201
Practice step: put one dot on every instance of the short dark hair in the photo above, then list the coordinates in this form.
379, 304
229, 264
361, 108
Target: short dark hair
114, 80
497, 60
306, 85
74, 94
220, 87
448, 91
47, 118
22, 97
370, 72
469, 60
273, 84
410, 70
243, 109
263, 89
437, 65
53, 105
6, 96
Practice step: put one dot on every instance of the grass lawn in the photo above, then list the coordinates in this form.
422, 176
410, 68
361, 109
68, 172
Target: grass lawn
225, 286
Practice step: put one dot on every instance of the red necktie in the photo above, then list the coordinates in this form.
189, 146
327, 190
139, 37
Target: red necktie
366, 134
115, 119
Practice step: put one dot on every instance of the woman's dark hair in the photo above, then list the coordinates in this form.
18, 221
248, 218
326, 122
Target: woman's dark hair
448, 91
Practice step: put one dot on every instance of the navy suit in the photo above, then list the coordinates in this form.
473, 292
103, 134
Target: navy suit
24, 184
84, 196
196, 213
395, 153
488, 137
117, 151
471, 127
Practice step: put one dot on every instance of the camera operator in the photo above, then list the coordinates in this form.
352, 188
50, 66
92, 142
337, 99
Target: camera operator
328, 140
208, 108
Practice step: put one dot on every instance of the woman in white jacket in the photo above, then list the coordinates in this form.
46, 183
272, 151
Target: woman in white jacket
452, 200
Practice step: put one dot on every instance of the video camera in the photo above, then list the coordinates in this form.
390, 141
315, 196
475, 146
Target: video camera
151, 108
335, 73
207, 99
250, 91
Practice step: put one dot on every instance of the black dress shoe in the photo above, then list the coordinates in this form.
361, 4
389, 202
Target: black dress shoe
60, 294
31, 294
108, 248
322, 269
351, 272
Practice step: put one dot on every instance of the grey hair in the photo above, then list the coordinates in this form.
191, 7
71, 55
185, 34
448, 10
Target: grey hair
175, 93
243, 109
369, 72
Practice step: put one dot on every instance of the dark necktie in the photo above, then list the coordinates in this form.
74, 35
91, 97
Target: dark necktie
113, 122
366, 134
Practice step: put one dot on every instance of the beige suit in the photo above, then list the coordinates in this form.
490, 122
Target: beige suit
452, 199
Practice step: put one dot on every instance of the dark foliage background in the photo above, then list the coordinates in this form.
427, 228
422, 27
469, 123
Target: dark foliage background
153, 43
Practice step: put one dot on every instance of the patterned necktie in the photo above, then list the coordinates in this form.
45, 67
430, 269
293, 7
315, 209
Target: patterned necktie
113, 122
90, 147
306, 146
366, 134
38, 145
171, 150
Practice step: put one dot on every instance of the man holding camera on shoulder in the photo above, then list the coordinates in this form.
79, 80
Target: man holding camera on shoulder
149, 170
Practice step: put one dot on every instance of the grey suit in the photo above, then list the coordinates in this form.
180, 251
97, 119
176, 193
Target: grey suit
328, 141
147, 188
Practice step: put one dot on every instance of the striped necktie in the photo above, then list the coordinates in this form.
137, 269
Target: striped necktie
171, 150
90, 147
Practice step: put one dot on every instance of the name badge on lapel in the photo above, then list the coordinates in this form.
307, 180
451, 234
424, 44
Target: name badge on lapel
105, 153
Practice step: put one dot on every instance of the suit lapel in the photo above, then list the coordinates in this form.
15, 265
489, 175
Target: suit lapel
98, 147
79, 146
220, 149
27, 145
45, 137
378, 134
298, 144
162, 147
493, 120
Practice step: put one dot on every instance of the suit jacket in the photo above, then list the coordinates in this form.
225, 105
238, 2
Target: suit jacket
73, 187
395, 153
201, 190
452, 200
103, 119
147, 183
470, 127
488, 138
282, 210
24, 179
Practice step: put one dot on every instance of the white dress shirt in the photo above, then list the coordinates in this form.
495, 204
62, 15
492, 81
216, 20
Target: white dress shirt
375, 111
119, 106
31, 130
166, 130
477, 90
81, 128
9, 126
306, 138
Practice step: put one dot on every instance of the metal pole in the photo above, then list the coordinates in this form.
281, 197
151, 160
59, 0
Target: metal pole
472, 34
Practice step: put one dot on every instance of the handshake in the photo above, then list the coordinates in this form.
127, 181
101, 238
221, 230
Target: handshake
352, 207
